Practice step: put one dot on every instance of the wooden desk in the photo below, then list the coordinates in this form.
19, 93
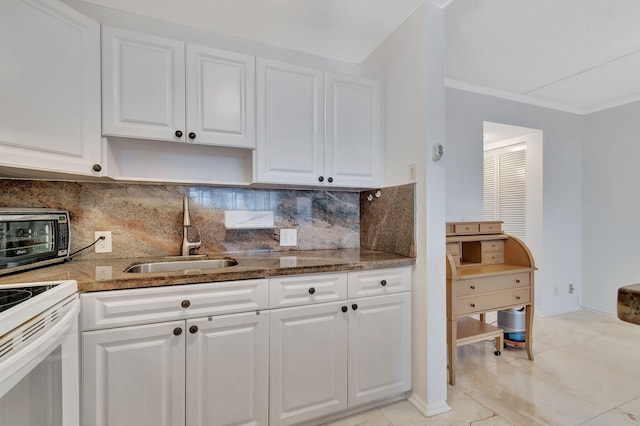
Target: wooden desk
485, 272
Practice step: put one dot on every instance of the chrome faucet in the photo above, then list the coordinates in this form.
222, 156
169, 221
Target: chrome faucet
186, 224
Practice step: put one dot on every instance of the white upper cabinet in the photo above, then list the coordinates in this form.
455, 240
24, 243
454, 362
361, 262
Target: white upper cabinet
317, 128
143, 85
352, 130
220, 97
49, 88
155, 88
290, 142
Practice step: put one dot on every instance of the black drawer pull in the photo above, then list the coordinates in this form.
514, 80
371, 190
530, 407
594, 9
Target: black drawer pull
518, 297
193, 329
192, 135
354, 307
185, 304
345, 309
517, 281
473, 287
312, 290
473, 305
383, 283
177, 331
178, 133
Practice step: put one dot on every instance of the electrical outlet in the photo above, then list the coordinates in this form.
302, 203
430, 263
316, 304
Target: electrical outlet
571, 289
288, 237
103, 246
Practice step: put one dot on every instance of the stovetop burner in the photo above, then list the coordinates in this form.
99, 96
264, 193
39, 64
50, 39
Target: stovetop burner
12, 297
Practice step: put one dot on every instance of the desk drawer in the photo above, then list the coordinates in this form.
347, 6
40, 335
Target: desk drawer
491, 302
491, 284
467, 228
490, 258
491, 246
487, 228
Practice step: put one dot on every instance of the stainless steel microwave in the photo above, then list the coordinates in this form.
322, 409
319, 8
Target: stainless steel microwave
30, 238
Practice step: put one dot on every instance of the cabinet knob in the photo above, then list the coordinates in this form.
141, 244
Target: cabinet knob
321, 178
177, 331
330, 180
192, 135
472, 287
185, 304
97, 167
345, 309
193, 329
312, 290
473, 305
383, 283
178, 133
518, 297
354, 306
517, 281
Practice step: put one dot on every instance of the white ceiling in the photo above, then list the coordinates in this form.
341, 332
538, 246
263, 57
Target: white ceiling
577, 55
574, 55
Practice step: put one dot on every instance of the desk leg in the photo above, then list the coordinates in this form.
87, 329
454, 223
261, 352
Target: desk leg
529, 331
452, 350
483, 317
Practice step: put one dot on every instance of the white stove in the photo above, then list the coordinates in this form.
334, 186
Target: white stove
39, 371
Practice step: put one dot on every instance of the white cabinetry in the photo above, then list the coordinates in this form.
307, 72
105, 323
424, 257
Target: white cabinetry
134, 375
327, 357
353, 143
308, 362
156, 88
317, 128
290, 141
49, 88
204, 369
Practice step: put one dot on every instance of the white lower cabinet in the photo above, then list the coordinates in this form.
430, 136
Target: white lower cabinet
379, 348
308, 362
329, 357
134, 376
228, 370
214, 354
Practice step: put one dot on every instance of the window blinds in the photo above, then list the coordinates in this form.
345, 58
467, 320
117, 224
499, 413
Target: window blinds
505, 188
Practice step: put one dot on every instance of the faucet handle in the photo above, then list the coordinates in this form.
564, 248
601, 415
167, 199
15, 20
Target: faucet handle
199, 238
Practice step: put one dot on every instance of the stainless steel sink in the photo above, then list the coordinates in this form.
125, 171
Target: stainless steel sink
185, 265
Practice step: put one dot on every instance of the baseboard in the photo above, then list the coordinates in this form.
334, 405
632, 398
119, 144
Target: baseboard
431, 409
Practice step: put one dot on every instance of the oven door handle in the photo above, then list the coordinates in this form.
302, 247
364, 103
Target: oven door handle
17, 363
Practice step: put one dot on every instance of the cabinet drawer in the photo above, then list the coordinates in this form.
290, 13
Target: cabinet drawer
491, 302
467, 228
117, 308
378, 282
487, 228
491, 246
495, 257
453, 249
491, 284
307, 289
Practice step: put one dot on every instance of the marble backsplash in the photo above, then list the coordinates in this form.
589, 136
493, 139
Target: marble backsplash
146, 220
387, 220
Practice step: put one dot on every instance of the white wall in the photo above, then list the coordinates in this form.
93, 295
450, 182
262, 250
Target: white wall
410, 63
559, 257
161, 28
611, 205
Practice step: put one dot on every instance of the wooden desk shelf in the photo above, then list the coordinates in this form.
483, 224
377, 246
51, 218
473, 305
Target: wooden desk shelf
485, 272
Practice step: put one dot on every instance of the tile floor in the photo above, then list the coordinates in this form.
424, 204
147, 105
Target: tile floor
586, 372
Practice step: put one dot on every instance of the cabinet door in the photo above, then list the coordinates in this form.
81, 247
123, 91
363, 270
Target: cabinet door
290, 143
220, 97
379, 348
308, 348
49, 88
134, 376
143, 86
228, 370
353, 141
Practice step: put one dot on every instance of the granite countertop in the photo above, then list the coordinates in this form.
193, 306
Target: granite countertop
629, 303
98, 275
